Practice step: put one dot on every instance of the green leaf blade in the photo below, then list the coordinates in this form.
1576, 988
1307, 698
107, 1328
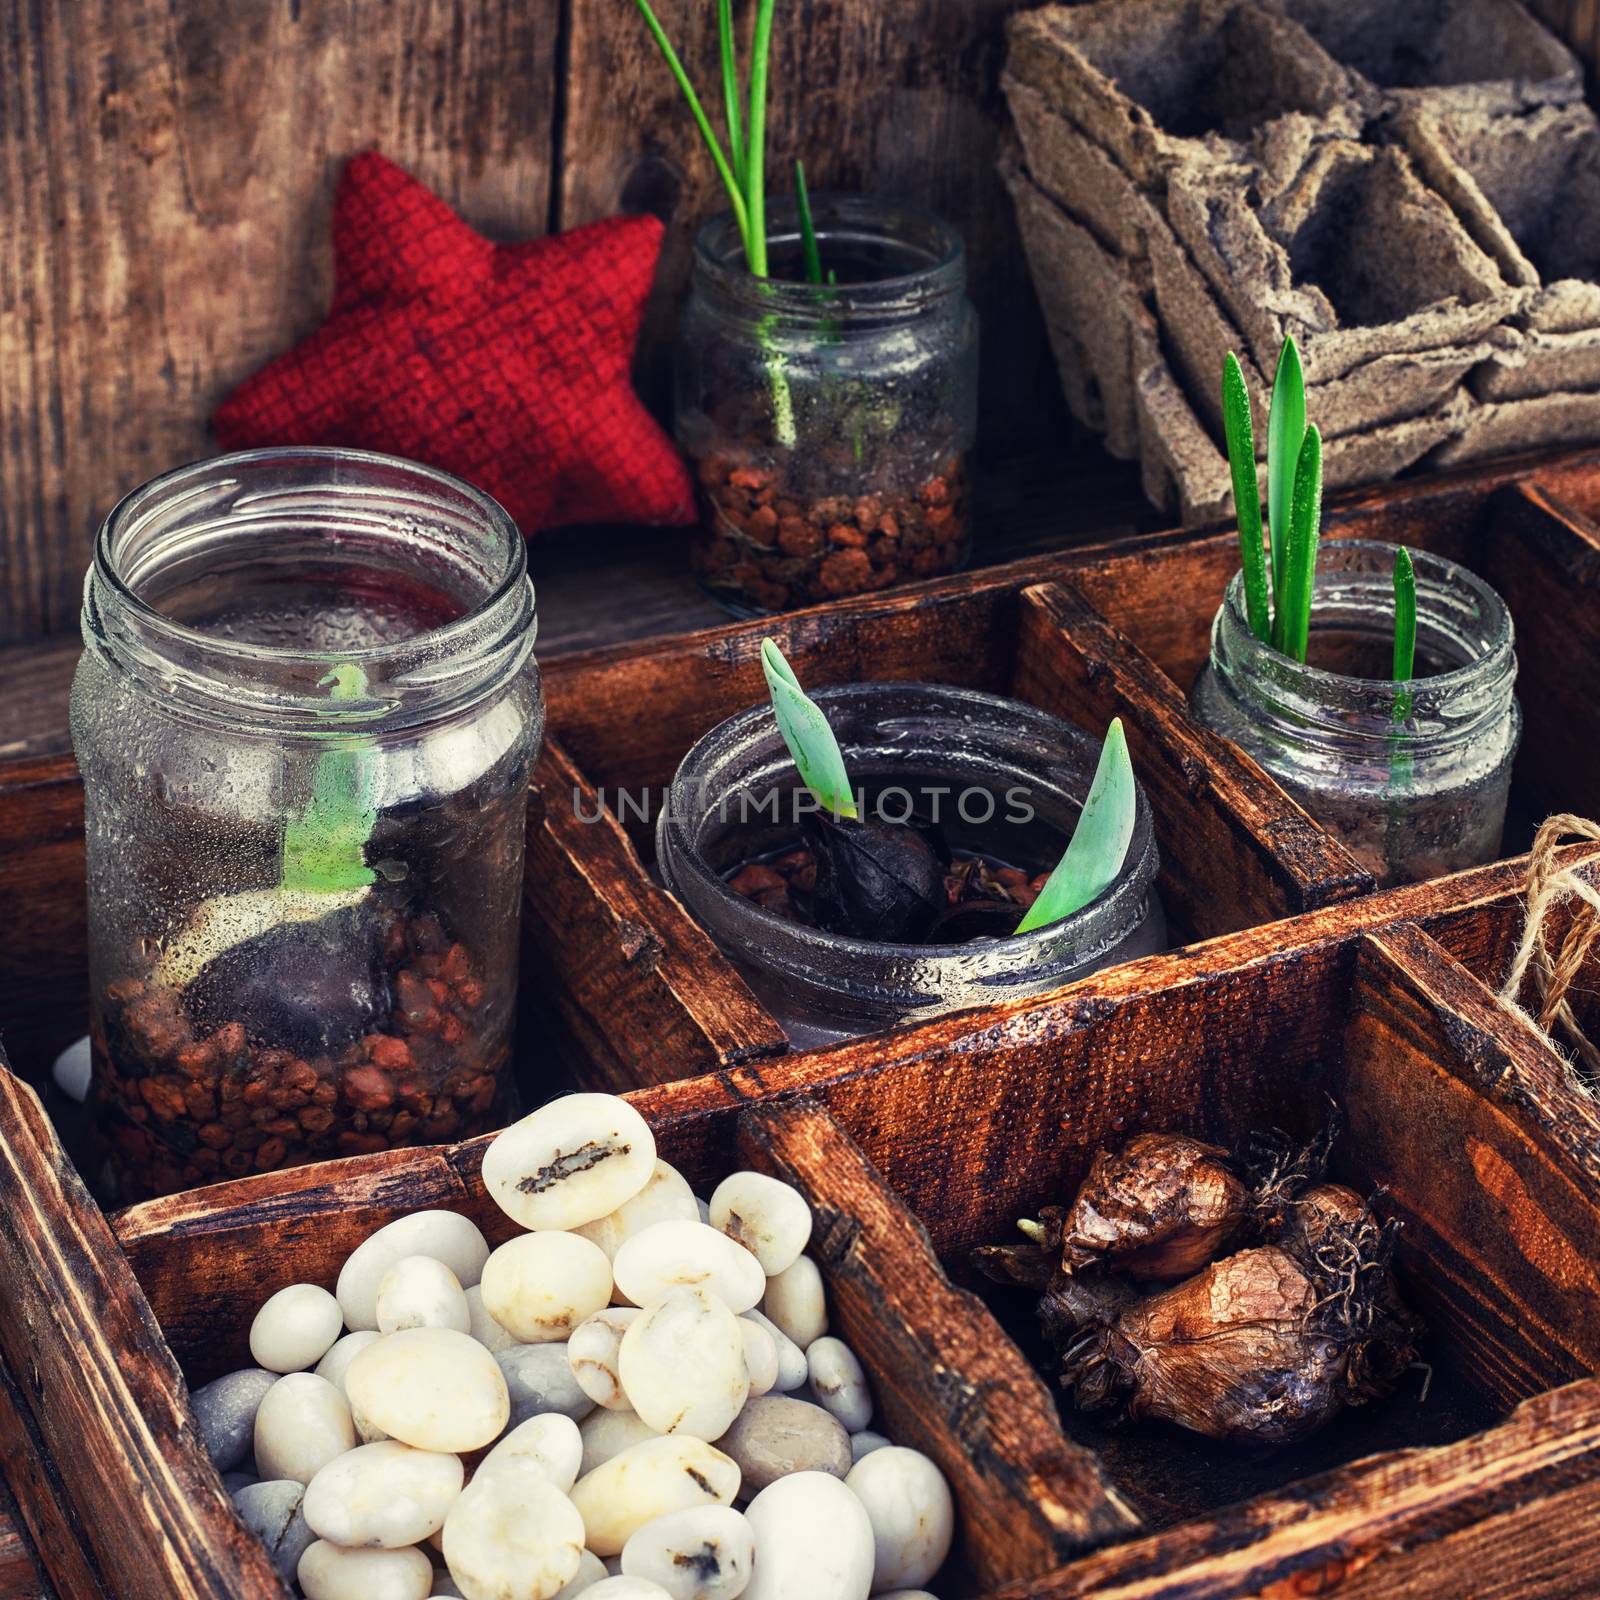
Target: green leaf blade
805, 731
1405, 630
1099, 844
1301, 554
1240, 435
325, 844
735, 188
755, 178
1286, 431
730, 90
811, 255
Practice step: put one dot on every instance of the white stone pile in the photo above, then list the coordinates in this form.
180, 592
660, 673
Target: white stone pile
620, 1379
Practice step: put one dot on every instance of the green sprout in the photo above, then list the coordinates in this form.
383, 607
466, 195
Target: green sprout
810, 254
806, 732
1280, 565
1405, 630
1099, 844
325, 844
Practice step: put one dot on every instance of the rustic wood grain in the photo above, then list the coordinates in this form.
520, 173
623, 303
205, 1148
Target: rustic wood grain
900, 103
1466, 1117
167, 172
1235, 849
1028, 1497
1542, 555
1507, 1515
645, 993
99, 1390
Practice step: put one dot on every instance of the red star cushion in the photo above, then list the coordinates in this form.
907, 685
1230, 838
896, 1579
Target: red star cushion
506, 364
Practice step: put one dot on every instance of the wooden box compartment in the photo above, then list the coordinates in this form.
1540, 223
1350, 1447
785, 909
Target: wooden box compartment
622, 988
913, 1149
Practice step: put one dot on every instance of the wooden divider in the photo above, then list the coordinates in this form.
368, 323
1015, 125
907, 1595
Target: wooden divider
946, 1379
1510, 1514
645, 994
1543, 557
1235, 849
130, 1506
1489, 1152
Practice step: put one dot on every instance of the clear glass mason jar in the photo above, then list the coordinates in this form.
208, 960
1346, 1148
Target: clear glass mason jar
1002, 779
305, 715
1415, 784
831, 428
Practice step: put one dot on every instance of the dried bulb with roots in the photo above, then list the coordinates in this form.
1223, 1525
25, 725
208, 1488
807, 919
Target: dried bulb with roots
1261, 1348
1158, 1209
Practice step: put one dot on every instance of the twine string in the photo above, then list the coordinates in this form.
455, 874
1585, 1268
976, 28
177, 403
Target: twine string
1553, 974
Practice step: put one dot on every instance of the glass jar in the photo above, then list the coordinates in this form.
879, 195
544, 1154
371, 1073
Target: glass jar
1413, 781
831, 428
1001, 779
305, 715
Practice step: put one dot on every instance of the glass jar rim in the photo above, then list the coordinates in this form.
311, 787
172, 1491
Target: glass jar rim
1127, 893
426, 672
1441, 684
719, 260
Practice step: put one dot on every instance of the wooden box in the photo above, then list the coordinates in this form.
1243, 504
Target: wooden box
913, 1149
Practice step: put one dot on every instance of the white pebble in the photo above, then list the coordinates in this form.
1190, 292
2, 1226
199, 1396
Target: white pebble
792, 1369
625, 1588
667, 1197
420, 1292
796, 1302
272, 1512
329, 1573
768, 1217
432, 1388
513, 1536
865, 1442
387, 1495
839, 1382
591, 1570
73, 1069
813, 1537
336, 1363
540, 1286
483, 1327
647, 1482
303, 1423
552, 1442
225, 1410
592, 1349
608, 1433
682, 1364
573, 1161
444, 1235
913, 1517
705, 1553
295, 1328
760, 1356
669, 1254
540, 1379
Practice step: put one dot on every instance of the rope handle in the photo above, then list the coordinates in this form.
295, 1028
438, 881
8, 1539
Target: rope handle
1553, 975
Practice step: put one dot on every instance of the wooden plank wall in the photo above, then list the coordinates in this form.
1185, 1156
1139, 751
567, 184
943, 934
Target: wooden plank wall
166, 168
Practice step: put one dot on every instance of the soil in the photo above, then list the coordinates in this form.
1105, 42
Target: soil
763, 544
782, 881
182, 1103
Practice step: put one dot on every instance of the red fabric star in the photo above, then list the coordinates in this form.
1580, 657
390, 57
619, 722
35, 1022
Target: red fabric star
506, 364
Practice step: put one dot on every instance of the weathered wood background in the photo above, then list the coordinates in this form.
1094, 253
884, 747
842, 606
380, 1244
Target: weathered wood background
166, 168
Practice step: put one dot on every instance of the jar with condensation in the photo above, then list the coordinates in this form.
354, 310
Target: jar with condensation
1413, 778
305, 714
998, 779
830, 426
